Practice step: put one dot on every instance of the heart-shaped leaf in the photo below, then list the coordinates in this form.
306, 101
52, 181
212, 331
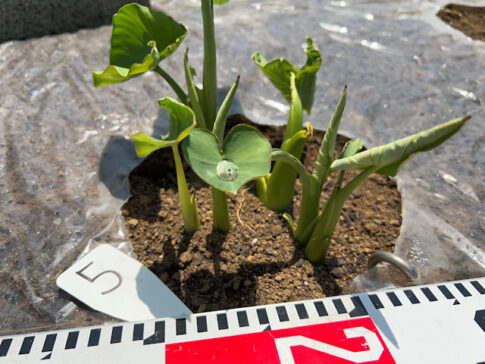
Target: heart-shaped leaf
245, 155
182, 121
141, 38
278, 71
389, 158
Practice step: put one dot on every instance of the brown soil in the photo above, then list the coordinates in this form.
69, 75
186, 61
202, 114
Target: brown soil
468, 19
257, 262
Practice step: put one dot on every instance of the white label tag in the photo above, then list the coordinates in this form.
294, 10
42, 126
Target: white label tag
111, 282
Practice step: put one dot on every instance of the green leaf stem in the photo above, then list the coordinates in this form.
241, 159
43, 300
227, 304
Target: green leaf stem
209, 72
326, 153
195, 94
182, 121
220, 123
351, 148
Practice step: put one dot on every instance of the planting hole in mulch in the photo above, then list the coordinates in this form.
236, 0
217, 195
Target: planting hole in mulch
257, 262
468, 19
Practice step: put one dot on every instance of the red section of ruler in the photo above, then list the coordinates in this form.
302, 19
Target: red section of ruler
349, 341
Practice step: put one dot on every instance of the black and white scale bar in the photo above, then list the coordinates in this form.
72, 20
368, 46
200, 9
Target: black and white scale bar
437, 323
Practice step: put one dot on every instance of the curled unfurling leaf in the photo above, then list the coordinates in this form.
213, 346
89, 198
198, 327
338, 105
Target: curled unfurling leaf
389, 158
141, 38
279, 71
182, 121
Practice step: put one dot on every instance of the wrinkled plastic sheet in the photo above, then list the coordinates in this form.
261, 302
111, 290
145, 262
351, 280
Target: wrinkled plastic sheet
65, 158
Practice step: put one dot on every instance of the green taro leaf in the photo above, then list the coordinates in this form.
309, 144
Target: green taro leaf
307, 77
141, 38
278, 72
389, 158
182, 121
245, 155
220, 2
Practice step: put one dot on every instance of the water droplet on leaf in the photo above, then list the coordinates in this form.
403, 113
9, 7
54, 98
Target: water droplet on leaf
227, 170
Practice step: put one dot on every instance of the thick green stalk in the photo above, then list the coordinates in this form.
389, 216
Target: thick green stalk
174, 85
261, 188
317, 247
209, 76
310, 200
219, 199
319, 241
279, 188
282, 156
187, 202
295, 119
280, 185
220, 210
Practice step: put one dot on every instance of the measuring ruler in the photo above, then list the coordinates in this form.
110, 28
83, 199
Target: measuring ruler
437, 323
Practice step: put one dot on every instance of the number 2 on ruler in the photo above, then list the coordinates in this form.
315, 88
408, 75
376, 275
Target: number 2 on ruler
92, 279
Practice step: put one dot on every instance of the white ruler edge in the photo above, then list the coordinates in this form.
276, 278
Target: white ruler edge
414, 322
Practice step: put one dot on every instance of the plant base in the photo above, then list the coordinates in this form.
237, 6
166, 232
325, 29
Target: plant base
256, 262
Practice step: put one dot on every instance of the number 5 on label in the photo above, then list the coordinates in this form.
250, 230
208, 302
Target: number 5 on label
117, 275
114, 283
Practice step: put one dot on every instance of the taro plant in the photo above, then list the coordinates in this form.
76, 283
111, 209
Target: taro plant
315, 228
297, 85
227, 163
182, 121
140, 40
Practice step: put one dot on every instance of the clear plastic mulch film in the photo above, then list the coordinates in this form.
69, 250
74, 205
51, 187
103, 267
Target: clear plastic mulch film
65, 157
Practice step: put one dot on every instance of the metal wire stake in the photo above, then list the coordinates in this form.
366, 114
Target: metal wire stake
396, 261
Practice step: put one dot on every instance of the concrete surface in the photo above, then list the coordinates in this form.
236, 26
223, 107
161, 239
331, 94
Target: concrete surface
22, 19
